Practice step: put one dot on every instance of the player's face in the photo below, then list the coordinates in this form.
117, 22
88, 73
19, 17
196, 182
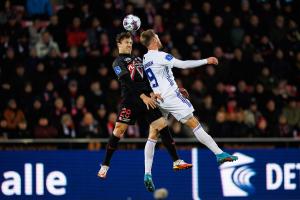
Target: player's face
125, 46
159, 45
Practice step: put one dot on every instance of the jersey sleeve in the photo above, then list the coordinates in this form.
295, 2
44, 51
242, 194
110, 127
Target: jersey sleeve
119, 68
165, 59
188, 63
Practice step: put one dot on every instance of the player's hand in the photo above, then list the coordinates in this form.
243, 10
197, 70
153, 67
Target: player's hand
212, 61
156, 96
150, 102
184, 92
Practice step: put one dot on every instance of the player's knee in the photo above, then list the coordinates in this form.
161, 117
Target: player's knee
120, 129
159, 124
153, 136
153, 133
192, 122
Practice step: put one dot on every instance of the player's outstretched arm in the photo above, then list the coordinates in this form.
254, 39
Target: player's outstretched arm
194, 63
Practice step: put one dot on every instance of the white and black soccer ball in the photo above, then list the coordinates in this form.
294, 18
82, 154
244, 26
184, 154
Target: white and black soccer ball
131, 23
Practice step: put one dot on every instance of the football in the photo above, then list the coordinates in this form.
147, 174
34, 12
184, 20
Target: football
131, 23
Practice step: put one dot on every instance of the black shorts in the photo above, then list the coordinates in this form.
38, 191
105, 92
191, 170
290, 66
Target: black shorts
133, 108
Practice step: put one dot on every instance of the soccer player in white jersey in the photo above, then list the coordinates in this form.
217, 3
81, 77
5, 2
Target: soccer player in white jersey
158, 67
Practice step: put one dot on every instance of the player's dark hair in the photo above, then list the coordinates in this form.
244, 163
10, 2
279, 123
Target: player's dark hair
146, 37
122, 36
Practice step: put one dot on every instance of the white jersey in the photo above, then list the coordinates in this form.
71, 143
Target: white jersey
158, 68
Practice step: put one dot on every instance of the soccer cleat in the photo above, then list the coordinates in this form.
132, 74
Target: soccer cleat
180, 165
103, 171
225, 157
149, 183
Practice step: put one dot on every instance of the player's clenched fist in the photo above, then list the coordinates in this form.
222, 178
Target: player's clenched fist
212, 61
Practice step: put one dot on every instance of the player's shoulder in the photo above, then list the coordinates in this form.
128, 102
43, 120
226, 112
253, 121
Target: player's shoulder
165, 56
121, 60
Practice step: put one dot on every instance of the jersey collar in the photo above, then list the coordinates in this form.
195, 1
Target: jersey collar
124, 54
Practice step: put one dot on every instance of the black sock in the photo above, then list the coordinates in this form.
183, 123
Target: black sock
110, 149
168, 142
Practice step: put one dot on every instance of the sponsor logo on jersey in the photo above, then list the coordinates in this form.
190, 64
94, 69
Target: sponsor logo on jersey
127, 59
136, 65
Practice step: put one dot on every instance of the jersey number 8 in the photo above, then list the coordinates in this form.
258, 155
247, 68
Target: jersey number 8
151, 78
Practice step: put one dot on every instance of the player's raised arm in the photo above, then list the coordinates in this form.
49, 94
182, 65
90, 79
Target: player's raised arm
194, 63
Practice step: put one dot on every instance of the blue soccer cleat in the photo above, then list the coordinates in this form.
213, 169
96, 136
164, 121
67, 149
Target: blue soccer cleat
225, 157
149, 183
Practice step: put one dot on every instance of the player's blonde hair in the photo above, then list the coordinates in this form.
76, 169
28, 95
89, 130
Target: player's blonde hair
147, 36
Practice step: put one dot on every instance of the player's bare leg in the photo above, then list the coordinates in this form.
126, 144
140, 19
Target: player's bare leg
208, 141
118, 132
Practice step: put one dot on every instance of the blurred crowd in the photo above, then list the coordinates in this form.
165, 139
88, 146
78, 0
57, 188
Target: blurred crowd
56, 79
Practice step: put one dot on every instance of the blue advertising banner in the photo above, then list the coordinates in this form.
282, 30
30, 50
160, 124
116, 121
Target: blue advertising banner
71, 175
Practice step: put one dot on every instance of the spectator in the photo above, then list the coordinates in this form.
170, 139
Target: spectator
23, 131
39, 8
76, 36
89, 126
252, 116
13, 115
236, 33
79, 109
82, 76
284, 129
220, 127
94, 32
197, 93
207, 111
45, 45
35, 32
271, 114
44, 129
292, 113
113, 95
67, 128
101, 117
57, 31
278, 32
262, 129
58, 111
96, 96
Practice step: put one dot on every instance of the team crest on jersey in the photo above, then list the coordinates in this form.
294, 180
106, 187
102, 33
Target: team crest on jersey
169, 57
117, 70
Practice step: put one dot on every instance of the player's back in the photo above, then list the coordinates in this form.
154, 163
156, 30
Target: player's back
158, 67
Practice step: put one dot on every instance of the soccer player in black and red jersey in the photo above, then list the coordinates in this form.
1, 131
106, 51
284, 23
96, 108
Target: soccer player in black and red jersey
138, 99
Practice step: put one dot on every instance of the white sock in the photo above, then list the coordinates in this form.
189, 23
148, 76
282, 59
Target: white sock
149, 154
206, 139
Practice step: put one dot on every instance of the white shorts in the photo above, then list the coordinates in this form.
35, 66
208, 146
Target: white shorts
176, 105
